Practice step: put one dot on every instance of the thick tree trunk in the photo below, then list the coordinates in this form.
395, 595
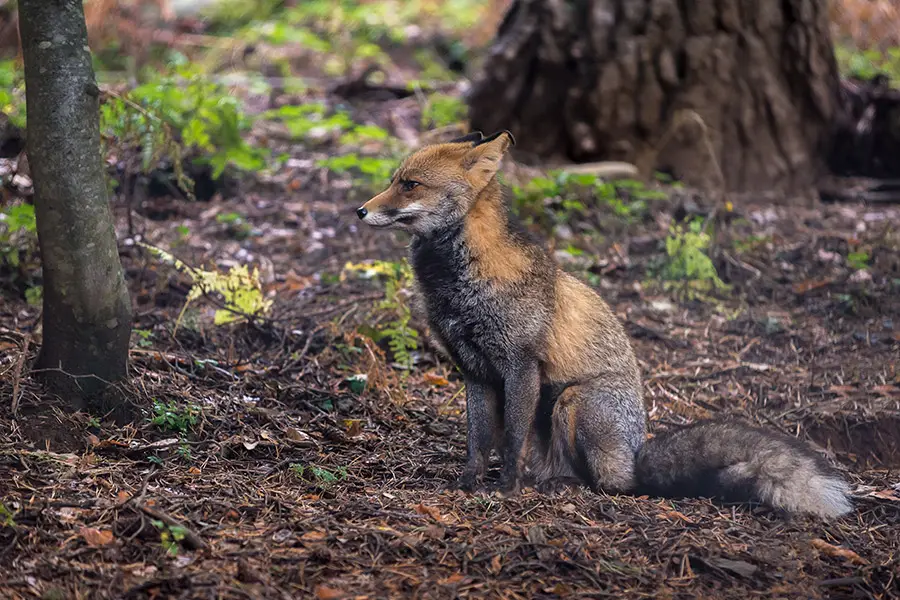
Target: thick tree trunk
743, 91
87, 309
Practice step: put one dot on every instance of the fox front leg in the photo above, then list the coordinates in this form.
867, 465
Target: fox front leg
482, 423
522, 394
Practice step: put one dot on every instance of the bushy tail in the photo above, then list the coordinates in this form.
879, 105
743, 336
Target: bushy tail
740, 463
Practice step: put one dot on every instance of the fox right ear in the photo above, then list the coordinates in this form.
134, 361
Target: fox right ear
483, 161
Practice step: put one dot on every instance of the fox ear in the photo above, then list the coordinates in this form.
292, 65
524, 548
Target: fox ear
483, 160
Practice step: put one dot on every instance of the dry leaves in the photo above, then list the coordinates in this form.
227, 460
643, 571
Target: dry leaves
837, 552
96, 537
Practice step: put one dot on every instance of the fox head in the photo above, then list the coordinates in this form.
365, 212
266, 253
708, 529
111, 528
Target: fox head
437, 185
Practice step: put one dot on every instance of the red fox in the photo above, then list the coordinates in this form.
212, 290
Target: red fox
551, 379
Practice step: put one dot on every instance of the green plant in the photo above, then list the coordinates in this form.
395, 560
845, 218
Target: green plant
144, 337
304, 119
236, 225
186, 111
322, 478
12, 92
6, 516
568, 195
402, 339
239, 289
169, 535
34, 295
172, 417
688, 269
18, 232
866, 64
858, 260
184, 451
441, 110
374, 171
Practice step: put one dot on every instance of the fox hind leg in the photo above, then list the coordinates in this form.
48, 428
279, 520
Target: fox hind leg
597, 429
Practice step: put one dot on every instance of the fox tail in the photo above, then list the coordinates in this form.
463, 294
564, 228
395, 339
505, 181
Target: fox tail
740, 463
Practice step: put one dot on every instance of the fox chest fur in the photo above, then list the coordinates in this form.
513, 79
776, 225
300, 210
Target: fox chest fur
485, 325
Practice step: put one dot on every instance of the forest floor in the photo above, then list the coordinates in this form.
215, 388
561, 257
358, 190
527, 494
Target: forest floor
295, 456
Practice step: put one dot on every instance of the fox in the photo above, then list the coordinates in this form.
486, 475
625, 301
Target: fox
551, 379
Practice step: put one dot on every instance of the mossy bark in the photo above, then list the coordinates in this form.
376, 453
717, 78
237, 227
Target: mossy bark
87, 308
735, 94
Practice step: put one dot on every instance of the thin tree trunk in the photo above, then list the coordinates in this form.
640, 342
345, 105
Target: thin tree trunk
87, 308
739, 94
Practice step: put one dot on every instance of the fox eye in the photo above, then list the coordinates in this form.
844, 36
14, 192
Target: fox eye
408, 185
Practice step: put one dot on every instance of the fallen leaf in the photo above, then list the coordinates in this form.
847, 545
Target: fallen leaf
353, 427
431, 511
807, 286
96, 537
496, 565
842, 389
314, 536
250, 445
436, 380
452, 580
93, 440
837, 552
122, 496
323, 592
674, 515
295, 435
886, 495
194, 471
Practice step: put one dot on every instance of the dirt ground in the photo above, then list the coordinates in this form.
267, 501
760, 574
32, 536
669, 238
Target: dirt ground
298, 481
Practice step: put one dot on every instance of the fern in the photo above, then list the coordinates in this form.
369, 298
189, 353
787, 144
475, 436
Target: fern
402, 339
239, 288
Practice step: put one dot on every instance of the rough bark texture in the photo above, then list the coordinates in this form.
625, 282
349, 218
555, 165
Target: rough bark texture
628, 79
87, 309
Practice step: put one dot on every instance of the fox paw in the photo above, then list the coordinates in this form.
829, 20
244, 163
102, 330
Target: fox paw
467, 482
509, 487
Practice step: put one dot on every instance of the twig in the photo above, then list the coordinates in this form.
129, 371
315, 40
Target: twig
17, 377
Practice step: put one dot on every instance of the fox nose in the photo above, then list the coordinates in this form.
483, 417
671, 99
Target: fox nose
361, 213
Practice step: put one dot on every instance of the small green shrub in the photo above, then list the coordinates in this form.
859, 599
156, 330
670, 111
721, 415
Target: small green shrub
371, 171
321, 477
18, 232
172, 417
442, 110
858, 260
169, 535
866, 64
402, 339
12, 92
688, 269
183, 110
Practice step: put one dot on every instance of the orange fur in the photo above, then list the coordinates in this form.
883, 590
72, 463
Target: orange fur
495, 257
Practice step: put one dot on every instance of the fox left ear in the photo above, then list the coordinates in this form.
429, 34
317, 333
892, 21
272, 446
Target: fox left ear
483, 160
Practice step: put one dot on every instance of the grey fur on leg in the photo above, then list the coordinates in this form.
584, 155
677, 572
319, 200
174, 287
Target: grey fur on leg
522, 393
482, 427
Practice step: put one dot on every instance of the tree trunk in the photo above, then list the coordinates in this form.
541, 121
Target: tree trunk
87, 308
739, 94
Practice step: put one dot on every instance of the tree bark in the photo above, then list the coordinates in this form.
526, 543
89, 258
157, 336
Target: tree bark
734, 94
87, 308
